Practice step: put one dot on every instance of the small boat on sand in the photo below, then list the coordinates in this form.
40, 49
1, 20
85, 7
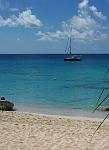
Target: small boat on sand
6, 105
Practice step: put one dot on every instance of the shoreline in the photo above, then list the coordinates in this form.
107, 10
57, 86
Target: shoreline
33, 131
81, 118
61, 111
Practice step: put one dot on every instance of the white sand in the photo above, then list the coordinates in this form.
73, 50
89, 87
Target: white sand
28, 131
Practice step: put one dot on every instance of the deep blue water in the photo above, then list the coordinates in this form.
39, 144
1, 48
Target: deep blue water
49, 81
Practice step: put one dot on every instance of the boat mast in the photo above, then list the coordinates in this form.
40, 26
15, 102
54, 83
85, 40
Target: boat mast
67, 46
68, 49
70, 45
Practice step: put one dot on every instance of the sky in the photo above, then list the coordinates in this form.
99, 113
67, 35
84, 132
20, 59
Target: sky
43, 26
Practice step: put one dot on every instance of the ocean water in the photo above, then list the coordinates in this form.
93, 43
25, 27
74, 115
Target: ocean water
48, 82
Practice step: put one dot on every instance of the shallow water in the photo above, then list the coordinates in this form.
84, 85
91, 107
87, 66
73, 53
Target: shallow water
47, 81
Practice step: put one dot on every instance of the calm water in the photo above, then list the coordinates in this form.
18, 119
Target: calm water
46, 81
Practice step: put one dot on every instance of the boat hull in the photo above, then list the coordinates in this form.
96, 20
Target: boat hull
72, 59
6, 105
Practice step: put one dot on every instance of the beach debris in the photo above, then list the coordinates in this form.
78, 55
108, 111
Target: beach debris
103, 108
6, 105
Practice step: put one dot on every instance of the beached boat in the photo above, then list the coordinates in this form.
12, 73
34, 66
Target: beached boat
70, 56
6, 105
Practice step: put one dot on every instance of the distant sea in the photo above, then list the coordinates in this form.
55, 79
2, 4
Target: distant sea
46, 82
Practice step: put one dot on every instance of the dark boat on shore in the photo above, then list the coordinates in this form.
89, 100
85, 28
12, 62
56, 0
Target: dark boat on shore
6, 105
70, 56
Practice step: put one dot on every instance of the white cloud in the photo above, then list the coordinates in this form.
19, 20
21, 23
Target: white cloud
50, 36
25, 19
83, 4
97, 13
83, 27
28, 20
14, 9
82, 7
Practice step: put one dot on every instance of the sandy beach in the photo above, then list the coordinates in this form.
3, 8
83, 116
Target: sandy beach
30, 131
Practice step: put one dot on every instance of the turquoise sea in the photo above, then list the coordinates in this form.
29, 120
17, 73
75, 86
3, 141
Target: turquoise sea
46, 82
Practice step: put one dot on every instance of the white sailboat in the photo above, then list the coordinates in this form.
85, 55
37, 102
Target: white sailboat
70, 56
